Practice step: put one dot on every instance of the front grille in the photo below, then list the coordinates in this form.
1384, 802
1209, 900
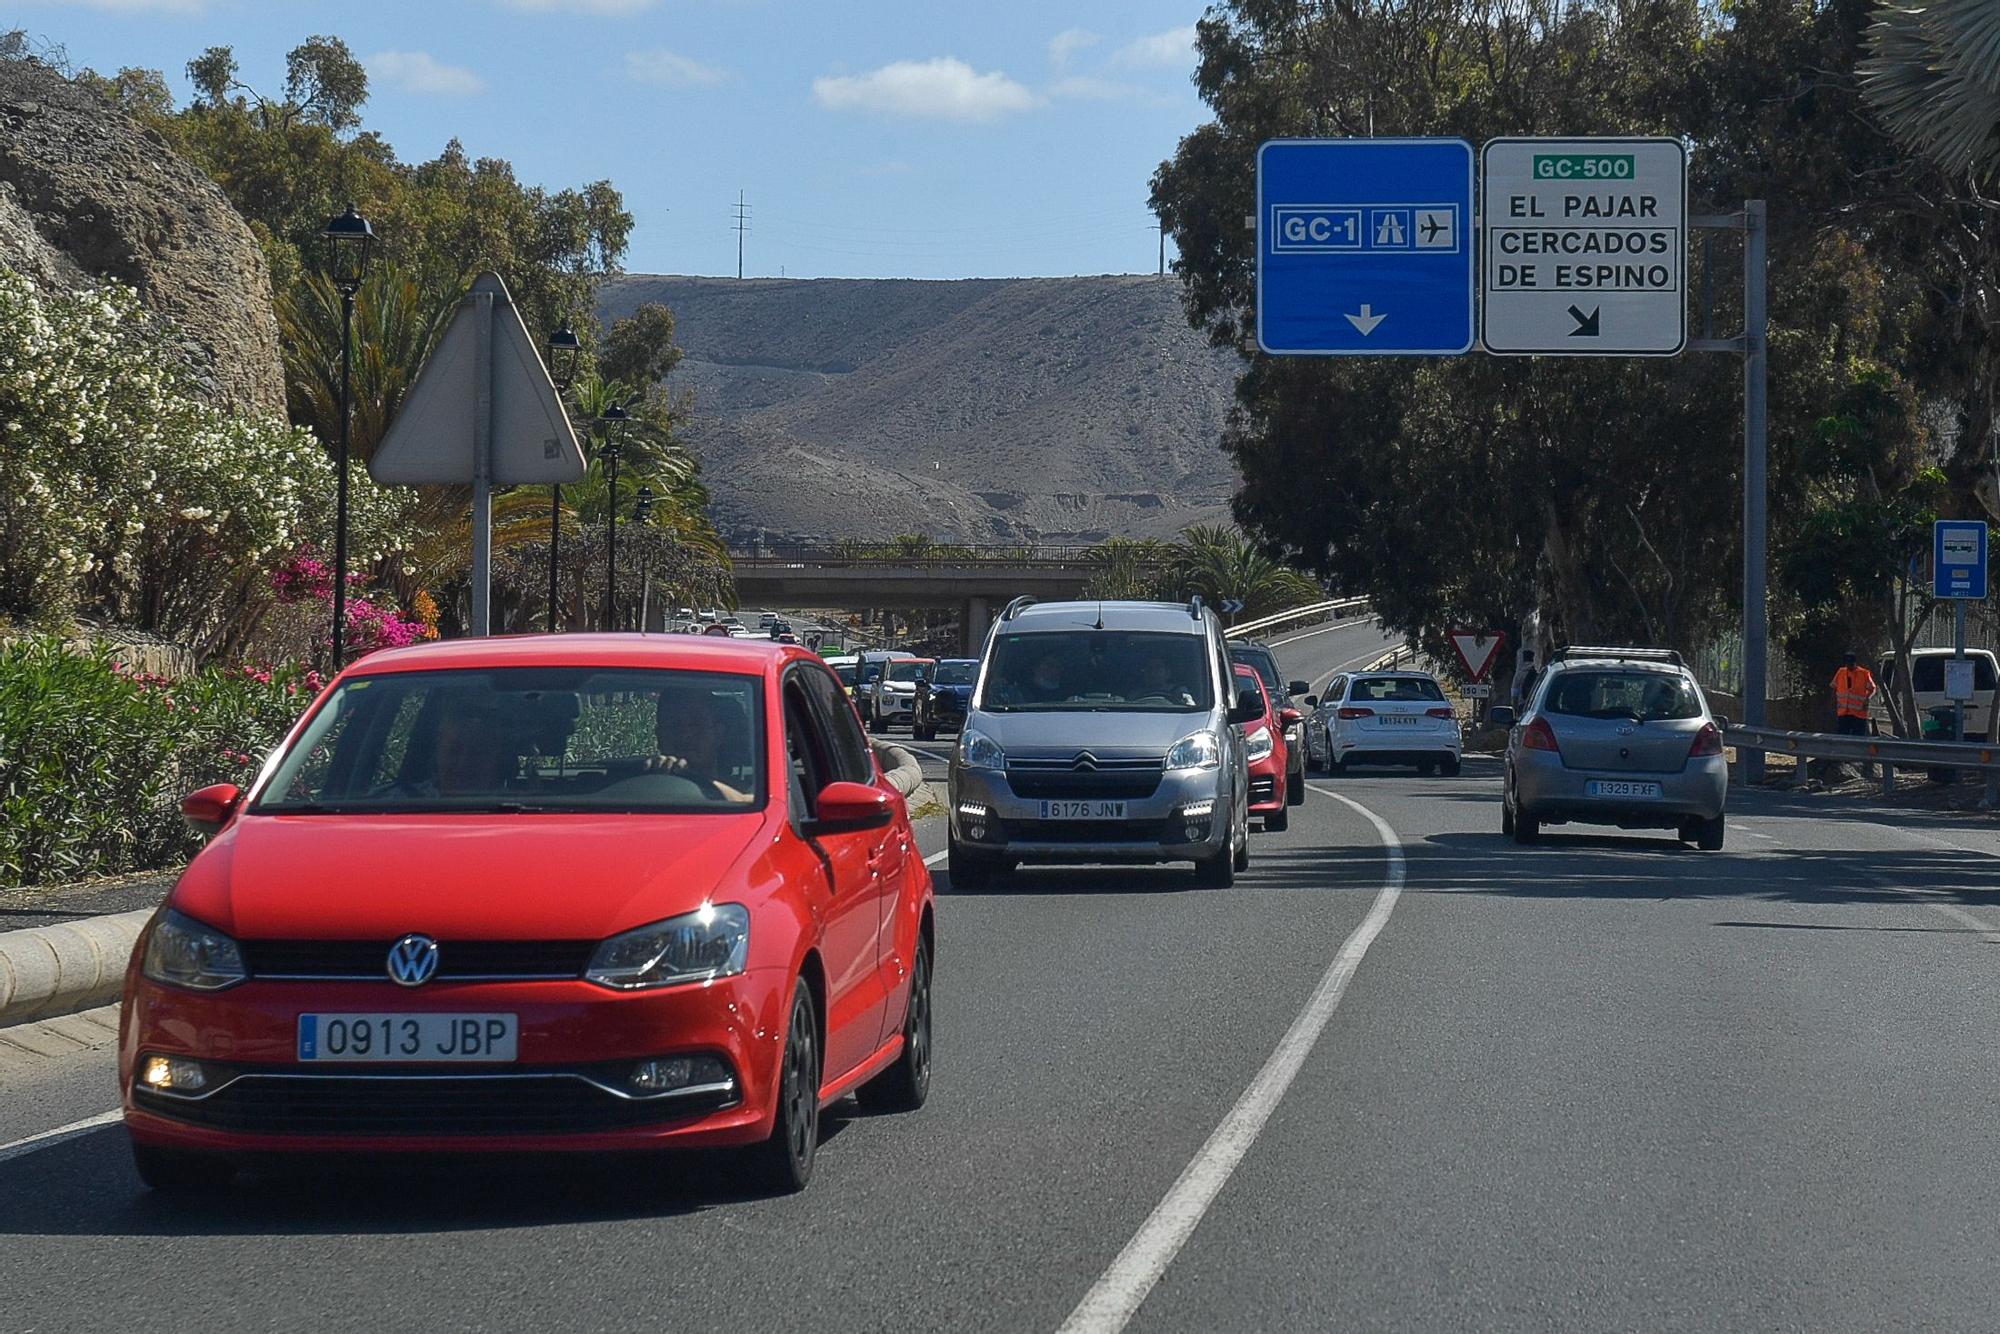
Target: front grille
1088, 760
457, 959
542, 1103
1074, 784
1263, 788
1087, 831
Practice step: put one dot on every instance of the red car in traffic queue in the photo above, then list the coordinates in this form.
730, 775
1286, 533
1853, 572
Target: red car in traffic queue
580, 892
1266, 748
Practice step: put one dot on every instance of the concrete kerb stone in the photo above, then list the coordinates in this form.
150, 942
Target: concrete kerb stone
52, 970
905, 774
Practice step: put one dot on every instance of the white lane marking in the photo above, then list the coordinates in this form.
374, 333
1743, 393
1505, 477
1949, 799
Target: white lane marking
1120, 1290
1321, 630
937, 857
50, 1138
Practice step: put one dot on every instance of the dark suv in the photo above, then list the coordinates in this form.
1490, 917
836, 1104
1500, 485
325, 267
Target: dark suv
943, 697
1260, 658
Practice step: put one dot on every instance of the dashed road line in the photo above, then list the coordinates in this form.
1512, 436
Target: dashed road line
1123, 1288
48, 1139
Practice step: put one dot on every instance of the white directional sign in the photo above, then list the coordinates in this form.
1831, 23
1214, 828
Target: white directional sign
1585, 247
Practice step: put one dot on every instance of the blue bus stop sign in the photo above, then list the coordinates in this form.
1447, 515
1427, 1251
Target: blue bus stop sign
1364, 247
1958, 559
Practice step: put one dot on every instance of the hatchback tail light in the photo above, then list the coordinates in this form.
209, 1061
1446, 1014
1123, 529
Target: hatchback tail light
1438, 713
1349, 715
1538, 735
1708, 741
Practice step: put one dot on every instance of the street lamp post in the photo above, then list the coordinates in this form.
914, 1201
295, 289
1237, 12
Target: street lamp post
565, 351
348, 240
613, 418
642, 513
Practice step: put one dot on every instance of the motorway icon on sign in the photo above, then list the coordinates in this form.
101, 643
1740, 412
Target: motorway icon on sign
1477, 650
1585, 247
1364, 247
1958, 559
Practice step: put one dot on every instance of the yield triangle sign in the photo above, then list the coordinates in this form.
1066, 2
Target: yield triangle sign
1477, 650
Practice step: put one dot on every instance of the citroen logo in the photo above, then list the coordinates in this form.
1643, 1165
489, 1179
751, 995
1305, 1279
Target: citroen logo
1084, 760
413, 960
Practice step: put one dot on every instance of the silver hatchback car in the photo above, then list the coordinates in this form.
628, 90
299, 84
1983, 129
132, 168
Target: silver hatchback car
1615, 736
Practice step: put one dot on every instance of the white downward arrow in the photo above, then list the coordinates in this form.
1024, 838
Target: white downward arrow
1366, 320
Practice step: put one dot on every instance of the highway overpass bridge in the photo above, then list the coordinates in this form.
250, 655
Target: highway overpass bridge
977, 581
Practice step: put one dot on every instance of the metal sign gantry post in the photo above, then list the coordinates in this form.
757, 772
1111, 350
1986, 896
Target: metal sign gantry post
1751, 345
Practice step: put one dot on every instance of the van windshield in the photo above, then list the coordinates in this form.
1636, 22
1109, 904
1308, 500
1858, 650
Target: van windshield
1098, 671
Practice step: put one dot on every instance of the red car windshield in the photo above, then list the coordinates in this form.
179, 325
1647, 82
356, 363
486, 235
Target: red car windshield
528, 739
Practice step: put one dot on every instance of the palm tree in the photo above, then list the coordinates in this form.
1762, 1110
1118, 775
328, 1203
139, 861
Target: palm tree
1933, 75
396, 324
1218, 563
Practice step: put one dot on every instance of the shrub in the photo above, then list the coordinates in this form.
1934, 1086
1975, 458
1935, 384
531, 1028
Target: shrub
94, 758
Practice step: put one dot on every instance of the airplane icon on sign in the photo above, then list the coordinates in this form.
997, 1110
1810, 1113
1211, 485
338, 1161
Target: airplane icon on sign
1432, 226
1437, 229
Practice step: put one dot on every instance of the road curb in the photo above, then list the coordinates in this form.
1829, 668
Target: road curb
51, 970
904, 773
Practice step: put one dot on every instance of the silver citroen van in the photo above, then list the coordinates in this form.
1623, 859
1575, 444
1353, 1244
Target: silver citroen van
1102, 732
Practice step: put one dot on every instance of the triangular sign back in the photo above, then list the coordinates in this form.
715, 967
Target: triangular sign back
1477, 651
434, 437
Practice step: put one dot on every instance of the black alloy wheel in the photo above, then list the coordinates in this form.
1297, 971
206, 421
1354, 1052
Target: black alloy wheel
783, 1163
181, 1169
904, 1086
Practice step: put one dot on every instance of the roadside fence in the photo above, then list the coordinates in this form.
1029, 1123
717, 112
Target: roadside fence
1888, 752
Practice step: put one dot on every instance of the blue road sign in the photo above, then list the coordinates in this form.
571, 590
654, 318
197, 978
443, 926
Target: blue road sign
1958, 559
1364, 247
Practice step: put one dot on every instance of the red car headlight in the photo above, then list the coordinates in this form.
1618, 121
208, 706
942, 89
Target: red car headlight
710, 942
184, 953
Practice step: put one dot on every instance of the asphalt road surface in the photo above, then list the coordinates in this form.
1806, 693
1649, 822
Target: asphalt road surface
1403, 1076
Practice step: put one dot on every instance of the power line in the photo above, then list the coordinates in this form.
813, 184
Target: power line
742, 227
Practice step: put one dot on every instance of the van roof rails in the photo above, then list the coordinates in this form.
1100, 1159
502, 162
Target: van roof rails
1194, 607
1568, 651
1017, 606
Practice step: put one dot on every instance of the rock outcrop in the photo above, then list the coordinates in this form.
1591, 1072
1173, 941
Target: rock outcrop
86, 192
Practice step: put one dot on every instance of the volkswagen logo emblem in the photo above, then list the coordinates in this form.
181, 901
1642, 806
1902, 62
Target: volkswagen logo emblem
413, 960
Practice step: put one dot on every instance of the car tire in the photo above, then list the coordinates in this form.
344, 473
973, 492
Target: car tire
1217, 872
1527, 829
1336, 764
181, 1169
1278, 821
904, 1086
1449, 766
1709, 837
1425, 768
783, 1163
1242, 856
1295, 789
923, 732
968, 870
1506, 816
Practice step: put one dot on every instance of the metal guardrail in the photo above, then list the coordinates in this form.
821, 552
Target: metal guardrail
1888, 752
1333, 606
943, 557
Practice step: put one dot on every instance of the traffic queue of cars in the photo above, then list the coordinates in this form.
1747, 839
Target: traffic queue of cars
587, 893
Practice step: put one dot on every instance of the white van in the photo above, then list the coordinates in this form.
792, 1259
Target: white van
1927, 676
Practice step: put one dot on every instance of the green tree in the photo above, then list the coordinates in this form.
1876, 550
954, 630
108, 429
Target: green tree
640, 348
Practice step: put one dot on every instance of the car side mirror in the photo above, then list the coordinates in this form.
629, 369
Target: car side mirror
1501, 716
1312, 701
1297, 688
209, 808
1722, 721
1290, 717
1248, 708
850, 808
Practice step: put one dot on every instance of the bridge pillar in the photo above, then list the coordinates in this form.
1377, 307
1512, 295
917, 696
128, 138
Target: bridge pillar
974, 617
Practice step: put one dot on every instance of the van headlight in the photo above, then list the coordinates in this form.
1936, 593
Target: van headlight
1258, 744
184, 953
710, 942
976, 750
1196, 751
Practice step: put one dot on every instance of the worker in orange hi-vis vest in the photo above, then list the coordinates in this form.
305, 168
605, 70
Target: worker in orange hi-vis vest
1853, 687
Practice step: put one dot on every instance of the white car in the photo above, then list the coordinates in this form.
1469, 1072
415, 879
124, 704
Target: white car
1391, 718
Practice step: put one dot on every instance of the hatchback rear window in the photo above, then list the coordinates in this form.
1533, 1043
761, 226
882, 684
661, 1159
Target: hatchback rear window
1640, 696
528, 739
1396, 689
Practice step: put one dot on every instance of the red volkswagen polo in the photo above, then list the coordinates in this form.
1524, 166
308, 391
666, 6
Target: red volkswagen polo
580, 892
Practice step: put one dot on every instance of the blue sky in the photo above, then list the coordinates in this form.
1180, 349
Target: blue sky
872, 138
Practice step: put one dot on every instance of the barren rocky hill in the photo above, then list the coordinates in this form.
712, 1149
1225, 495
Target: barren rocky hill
986, 410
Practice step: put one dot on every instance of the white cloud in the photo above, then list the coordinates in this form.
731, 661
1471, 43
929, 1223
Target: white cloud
612, 7
945, 88
420, 72
673, 70
1174, 47
1067, 43
1088, 88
